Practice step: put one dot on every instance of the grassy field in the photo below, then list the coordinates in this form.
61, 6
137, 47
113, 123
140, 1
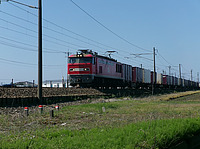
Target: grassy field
151, 122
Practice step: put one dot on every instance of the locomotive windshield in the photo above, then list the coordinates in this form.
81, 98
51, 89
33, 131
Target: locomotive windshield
80, 60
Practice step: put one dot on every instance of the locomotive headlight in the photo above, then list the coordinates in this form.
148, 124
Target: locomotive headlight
71, 69
86, 69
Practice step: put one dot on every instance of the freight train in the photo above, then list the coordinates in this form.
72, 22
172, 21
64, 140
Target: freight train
88, 69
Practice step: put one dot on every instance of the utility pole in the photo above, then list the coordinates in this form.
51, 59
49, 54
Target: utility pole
198, 77
169, 75
67, 68
180, 74
191, 74
40, 50
154, 71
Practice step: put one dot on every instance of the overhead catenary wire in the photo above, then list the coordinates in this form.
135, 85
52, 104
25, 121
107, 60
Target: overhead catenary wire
23, 4
25, 63
164, 59
108, 28
37, 32
27, 49
50, 41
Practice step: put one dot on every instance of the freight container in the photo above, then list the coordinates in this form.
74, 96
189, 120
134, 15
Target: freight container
173, 80
146, 76
169, 80
159, 78
165, 79
180, 81
192, 84
176, 81
127, 73
137, 75
184, 82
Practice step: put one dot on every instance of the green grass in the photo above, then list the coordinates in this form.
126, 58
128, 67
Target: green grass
141, 123
150, 134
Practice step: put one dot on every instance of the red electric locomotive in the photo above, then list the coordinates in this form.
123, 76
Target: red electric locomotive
87, 68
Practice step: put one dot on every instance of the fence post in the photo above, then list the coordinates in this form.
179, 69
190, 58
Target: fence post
26, 111
41, 109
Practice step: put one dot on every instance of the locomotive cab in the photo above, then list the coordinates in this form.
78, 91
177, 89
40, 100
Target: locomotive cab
81, 67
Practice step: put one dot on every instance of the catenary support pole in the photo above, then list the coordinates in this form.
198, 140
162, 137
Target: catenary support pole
154, 71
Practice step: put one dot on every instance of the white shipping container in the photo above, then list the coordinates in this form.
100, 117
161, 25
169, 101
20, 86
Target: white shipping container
146, 76
159, 78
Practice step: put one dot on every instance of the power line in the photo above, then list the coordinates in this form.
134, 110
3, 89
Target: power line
107, 27
24, 63
50, 41
14, 16
18, 25
18, 62
23, 4
27, 49
22, 9
37, 32
164, 59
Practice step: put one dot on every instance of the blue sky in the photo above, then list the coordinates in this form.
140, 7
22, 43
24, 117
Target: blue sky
172, 26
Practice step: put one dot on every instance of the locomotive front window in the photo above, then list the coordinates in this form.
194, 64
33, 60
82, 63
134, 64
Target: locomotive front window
80, 60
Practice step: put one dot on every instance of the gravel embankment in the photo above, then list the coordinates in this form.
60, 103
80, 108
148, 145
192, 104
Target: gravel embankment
47, 92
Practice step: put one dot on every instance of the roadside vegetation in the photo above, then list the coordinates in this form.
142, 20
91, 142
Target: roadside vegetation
152, 122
